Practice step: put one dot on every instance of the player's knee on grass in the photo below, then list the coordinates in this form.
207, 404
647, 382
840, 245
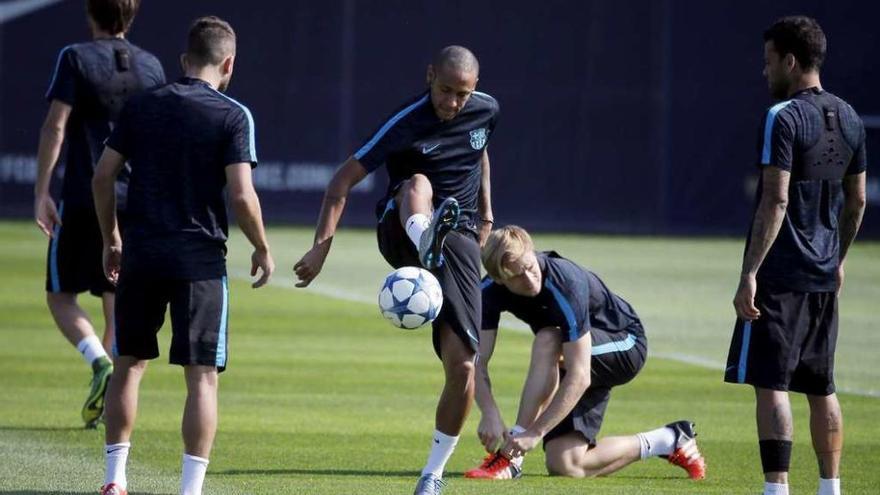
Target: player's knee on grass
561, 464
563, 455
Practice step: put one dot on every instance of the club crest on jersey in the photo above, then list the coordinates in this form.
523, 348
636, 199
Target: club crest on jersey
479, 137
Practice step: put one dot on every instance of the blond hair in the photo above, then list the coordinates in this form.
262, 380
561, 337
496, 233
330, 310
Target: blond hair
505, 245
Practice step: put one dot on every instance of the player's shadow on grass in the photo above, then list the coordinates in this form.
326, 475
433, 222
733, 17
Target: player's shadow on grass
43, 428
326, 472
32, 492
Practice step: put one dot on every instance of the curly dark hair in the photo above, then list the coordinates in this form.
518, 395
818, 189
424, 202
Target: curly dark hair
802, 37
113, 16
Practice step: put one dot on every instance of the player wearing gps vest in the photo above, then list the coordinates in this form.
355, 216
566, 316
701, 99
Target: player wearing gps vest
89, 86
811, 198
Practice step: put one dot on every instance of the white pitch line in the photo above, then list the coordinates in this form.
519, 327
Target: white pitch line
9, 11
516, 325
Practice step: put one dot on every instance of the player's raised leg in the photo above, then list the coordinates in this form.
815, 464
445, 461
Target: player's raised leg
426, 228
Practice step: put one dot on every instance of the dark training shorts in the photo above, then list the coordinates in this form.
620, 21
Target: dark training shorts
790, 347
459, 276
617, 358
74, 261
199, 319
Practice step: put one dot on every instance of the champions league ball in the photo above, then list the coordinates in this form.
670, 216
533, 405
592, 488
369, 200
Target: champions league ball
410, 297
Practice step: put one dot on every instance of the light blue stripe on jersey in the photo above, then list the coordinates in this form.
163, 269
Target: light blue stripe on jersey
768, 130
615, 346
252, 133
53, 252
388, 125
486, 283
57, 68
744, 353
566, 310
224, 327
388, 207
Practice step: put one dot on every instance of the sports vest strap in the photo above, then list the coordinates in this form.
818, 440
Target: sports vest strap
830, 155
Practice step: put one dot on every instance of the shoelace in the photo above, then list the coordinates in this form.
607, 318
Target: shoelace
490, 462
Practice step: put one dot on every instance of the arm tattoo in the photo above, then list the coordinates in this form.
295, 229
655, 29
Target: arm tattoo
768, 220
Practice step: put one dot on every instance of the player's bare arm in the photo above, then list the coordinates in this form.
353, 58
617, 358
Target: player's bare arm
51, 139
486, 217
491, 429
543, 376
346, 177
248, 213
768, 219
850, 218
571, 388
104, 192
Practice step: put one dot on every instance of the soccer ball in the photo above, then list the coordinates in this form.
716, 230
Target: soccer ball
410, 297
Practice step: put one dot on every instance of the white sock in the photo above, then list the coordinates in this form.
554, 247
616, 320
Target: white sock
656, 442
829, 487
441, 449
775, 488
116, 456
91, 348
194, 469
517, 461
415, 225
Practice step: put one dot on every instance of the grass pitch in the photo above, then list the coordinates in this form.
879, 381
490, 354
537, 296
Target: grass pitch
324, 397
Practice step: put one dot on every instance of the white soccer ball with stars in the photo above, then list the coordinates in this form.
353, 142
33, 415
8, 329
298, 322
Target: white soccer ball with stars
410, 297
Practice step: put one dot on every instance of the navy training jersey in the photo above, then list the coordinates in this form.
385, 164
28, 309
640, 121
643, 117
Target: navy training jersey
571, 298
96, 78
178, 139
415, 141
819, 139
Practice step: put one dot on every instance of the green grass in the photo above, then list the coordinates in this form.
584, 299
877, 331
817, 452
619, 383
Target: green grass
323, 397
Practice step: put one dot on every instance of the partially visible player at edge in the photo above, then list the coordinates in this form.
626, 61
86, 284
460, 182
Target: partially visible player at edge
588, 340
91, 82
186, 142
436, 213
810, 202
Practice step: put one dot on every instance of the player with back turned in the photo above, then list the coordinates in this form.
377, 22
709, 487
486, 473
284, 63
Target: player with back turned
91, 82
189, 145
811, 198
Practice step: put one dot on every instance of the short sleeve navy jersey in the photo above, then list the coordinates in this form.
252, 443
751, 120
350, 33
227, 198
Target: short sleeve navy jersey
571, 298
179, 139
819, 139
415, 141
95, 79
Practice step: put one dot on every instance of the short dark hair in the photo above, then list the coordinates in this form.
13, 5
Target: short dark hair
457, 58
802, 37
113, 16
211, 39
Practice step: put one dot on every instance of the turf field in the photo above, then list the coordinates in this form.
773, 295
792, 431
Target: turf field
323, 397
